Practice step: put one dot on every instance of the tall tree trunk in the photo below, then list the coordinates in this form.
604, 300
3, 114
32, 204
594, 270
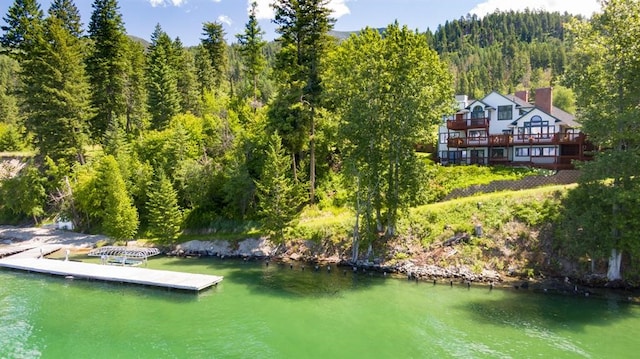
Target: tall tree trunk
312, 160
615, 260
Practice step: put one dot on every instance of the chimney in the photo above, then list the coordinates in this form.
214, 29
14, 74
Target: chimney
544, 99
523, 95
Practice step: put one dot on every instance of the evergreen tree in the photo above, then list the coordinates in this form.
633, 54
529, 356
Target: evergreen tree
165, 217
251, 48
9, 75
137, 114
56, 93
216, 47
184, 65
107, 66
276, 190
204, 70
67, 12
303, 26
119, 217
162, 83
23, 16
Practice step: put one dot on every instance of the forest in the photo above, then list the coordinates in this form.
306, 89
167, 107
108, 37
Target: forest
157, 140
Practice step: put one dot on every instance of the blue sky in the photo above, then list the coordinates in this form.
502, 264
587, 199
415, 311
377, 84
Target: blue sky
184, 18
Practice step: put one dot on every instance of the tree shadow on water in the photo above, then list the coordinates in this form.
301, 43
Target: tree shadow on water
292, 280
552, 311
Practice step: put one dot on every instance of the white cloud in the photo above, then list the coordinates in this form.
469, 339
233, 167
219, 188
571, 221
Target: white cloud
225, 19
265, 11
155, 3
582, 7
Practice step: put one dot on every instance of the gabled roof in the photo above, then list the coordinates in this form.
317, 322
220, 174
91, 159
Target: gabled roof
558, 115
565, 117
473, 104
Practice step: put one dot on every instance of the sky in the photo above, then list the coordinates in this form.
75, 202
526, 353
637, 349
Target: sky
184, 18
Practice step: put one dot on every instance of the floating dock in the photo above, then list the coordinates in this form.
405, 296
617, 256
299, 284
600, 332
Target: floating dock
30, 261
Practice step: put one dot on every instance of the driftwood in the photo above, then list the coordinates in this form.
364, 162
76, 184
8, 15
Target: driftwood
457, 239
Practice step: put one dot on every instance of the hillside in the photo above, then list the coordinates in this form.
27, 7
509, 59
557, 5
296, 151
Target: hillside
504, 51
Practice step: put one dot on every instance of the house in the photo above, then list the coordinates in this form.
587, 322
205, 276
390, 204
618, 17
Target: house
509, 130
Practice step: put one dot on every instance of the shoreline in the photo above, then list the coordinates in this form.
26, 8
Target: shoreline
304, 252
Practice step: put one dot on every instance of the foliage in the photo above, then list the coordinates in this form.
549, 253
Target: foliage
101, 195
216, 50
251, 48
503, 51
162, 80
56, 92
165, 217
382, 120
303, 26
443, 179
606, 78
10, 138
440, 221
23, 196
23, 16
277, 193
107, 66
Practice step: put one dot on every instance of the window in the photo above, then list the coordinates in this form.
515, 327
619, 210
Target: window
537, 128
543, 151
444, 137
497, 153
478, 112
505, 112
522, 151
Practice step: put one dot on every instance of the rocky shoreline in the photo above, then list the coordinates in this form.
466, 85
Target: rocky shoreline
310, 252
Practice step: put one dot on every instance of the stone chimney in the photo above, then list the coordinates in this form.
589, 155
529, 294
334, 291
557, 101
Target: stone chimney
544, 99
523, 95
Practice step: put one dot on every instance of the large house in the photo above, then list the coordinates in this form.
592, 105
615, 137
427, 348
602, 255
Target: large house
509, 130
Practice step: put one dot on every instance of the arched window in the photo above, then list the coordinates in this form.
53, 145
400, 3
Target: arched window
478, 112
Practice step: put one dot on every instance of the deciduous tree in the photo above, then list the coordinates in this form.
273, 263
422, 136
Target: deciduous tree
606, 78
389, 89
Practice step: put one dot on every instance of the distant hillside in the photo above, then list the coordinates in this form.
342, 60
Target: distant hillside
140, 40
503, 51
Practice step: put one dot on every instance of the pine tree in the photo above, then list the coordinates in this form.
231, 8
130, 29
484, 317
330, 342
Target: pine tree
23, 16
276, 190
56, 93
67, 12
216, 47
137, 114
303, 26
204, 70
251, 48
165, 217
106, 66
162, 83
184, 66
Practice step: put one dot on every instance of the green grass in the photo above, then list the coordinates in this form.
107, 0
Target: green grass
439, 221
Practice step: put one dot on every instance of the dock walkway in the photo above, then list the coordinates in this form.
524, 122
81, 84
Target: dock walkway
29, 261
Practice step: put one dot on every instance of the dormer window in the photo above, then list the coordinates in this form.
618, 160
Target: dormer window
478, 112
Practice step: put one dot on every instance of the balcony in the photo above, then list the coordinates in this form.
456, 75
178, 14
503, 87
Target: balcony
519, 139
460, 124
467, 142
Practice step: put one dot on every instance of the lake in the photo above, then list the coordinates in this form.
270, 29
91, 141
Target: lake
273, 311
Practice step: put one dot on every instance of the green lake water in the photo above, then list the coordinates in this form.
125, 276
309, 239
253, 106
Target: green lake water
273, 311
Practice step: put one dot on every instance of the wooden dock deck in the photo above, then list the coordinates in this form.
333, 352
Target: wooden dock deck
29, 261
